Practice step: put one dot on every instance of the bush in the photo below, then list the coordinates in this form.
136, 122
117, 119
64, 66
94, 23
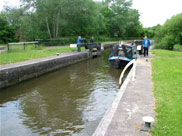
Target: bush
105, 39
7, 32
166, 42
58, 42
170, 33
178, 47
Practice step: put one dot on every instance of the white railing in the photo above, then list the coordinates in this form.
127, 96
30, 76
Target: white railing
121, 79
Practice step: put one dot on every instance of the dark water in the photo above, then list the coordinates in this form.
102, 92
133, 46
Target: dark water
70, 101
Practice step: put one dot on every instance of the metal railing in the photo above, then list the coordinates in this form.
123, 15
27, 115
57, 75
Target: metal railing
121, 79
24, 44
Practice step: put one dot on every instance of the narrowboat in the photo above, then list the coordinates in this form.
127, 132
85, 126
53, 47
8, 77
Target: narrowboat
122, 54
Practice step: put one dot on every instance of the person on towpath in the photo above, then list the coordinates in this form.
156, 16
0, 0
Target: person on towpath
146, 44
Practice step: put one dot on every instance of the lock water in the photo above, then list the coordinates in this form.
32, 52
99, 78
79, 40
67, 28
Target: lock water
70, 101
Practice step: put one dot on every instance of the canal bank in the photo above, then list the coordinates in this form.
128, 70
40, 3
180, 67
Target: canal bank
134, 100
11, 74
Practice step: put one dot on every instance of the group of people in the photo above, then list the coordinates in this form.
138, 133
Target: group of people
80, 40
145, 43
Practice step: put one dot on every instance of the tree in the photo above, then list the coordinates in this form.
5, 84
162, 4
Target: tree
118, 20
66, 17
81, 17
52, 19
48, 12
121, 20
170, 33
151, 31
133, 25
7, 32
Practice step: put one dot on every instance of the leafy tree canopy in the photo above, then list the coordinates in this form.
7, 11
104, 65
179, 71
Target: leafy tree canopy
52, 19
170, 33
7, 32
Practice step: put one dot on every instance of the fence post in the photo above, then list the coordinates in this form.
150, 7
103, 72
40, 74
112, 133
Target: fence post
8, 46
38, 43
24, 46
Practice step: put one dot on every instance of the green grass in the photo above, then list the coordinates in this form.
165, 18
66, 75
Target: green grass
167, 77
17, 54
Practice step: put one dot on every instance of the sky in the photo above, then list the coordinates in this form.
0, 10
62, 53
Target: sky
12, 3
152, 12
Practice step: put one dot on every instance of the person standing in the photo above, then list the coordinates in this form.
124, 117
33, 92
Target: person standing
146, 44
79, 43
80, 39
92, 40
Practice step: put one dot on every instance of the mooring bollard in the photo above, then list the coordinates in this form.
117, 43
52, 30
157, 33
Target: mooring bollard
148, 120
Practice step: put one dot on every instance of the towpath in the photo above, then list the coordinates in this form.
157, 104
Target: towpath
136, 101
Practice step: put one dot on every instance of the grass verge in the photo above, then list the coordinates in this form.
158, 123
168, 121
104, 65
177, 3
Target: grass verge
18, 54
167, 77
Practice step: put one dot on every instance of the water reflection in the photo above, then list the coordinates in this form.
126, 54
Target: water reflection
70, 101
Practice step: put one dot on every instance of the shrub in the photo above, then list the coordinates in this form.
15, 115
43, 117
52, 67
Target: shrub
170, 33
166, 42
178, 47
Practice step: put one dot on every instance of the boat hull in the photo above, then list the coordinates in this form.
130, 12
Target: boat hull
118, 63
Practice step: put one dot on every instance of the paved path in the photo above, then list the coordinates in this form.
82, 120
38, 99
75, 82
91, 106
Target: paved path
136, 102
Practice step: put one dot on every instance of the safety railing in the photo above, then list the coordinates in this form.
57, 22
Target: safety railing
121, 79
24, 44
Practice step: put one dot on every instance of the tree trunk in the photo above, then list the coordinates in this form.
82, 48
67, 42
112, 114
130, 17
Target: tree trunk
54, 30
57, 25
48, 29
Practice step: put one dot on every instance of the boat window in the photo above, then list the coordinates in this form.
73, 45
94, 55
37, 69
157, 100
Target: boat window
128, 51
115, 50
120, 52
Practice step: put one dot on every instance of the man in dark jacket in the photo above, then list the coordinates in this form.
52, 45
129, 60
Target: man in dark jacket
146, 44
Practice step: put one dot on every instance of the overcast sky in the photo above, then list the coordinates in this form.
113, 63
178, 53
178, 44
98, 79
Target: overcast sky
152, 12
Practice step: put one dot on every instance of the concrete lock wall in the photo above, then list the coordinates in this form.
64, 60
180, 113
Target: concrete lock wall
11, 74
18, 73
